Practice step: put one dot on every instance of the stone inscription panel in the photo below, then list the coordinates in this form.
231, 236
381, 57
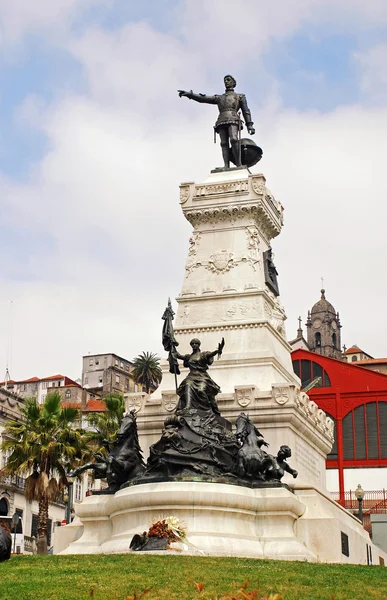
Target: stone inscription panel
306, 459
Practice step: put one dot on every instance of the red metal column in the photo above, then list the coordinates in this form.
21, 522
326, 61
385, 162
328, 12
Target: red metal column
340, 457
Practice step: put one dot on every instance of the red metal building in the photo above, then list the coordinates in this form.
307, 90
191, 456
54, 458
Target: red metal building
356, 399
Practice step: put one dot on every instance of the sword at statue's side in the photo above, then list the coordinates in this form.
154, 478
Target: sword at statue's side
169, 341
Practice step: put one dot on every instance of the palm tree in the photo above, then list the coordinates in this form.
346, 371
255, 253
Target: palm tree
147, 371
44, 444
105, 425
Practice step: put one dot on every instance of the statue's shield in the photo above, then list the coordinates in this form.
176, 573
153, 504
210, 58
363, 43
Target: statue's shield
250, 152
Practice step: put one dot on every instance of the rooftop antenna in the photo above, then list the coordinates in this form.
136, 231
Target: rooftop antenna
9, 350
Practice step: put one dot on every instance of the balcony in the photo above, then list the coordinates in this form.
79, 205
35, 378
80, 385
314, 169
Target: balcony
13, 481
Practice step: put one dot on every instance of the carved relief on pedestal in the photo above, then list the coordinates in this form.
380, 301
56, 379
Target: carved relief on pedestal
280, 394
170, 400
258, 185
226, 188
276, 316
185, 192
244, 395
192, 261
223, 311
221, 262
253, 246
134, 401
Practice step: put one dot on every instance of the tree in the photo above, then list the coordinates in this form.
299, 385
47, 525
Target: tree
45, 443
147, 371
106, 424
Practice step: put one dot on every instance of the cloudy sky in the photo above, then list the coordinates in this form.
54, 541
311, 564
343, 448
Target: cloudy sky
94, 143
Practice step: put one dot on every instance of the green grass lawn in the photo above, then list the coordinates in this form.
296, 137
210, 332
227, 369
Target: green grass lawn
114, 577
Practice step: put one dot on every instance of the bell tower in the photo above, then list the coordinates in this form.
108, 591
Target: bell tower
323, 327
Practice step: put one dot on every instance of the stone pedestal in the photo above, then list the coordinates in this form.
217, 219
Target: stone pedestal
229, 291
221, 519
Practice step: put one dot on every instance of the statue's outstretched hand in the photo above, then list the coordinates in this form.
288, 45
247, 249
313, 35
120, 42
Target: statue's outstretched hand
251, 130
183, 93
220, 347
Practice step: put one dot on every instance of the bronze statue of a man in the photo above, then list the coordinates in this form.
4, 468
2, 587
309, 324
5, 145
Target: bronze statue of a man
228, 124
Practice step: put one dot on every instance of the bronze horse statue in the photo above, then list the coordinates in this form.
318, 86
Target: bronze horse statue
251, 460
124, 460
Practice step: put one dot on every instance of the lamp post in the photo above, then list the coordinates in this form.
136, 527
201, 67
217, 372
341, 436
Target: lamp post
359, 493
70, 498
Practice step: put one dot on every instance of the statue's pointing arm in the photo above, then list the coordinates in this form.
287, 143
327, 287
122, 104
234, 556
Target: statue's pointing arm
198, 97
247, 114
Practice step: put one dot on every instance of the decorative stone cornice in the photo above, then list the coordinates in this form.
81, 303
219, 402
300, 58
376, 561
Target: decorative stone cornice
257, 210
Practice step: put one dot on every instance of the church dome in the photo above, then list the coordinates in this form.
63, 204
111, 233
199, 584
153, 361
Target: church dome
322, 305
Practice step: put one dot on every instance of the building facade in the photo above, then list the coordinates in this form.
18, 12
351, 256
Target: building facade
356, 400
12, 496
38, 388
107, 373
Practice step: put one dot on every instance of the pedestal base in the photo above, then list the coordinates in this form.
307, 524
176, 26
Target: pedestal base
221, 519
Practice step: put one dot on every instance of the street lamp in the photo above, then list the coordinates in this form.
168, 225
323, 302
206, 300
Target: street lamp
70, 498
359, 493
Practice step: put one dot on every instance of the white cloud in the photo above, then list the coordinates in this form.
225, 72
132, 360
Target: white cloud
106, 192
373, 75
19, 18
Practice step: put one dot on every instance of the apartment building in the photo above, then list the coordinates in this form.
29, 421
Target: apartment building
107, 373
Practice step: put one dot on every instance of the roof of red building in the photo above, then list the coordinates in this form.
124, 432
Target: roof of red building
71, 404
353, 350
346, 376
370, 361
52, 377
95, 406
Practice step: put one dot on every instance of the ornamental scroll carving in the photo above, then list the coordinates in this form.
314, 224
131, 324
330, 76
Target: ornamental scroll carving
253, 246
268, 221
192, 262
276, 317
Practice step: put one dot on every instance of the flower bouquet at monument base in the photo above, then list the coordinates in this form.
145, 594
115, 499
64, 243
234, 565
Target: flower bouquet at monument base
160, 535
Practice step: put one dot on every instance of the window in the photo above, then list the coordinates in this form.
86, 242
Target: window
127, 384
59, 383
34, 526
116, 363
68, 394
121, 365
317, 339
91, 362
42, 398
100, 379
308, 371
45, 385
78, 491
3, 507
363, 436
97, 361
117, 379
354, 358
334, 340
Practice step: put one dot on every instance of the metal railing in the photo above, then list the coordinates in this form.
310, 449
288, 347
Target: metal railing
374, 500
13, 480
